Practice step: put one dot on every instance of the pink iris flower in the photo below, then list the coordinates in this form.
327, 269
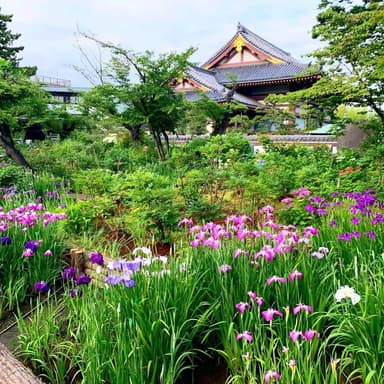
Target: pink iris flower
242, 306
302, 307
269, 313
238, 252
246, 335
185, 221
275, 279
310, 231
267, 252
28, 252
294, 335
258, 300
194, 243
225, 268
271, 375
310, 334
295, 275
212, 243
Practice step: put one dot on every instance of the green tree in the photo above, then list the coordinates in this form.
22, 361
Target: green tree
7, 39
351, 58
21, 100
205, 111
274, 116
146, 103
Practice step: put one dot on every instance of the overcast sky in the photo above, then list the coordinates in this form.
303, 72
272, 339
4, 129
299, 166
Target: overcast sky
48, 27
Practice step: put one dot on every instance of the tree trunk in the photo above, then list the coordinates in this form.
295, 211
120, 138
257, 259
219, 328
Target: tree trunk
13, 152
158, 143
166, 139
135, 133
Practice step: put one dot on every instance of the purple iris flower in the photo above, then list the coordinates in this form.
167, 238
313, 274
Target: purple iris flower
5, 240
310, 208
96, 258
377, 219
68, 273
83, 280
129, 283
345, 236
333, 223
32, 245
131, 265
76, 292
114, 279
370, 234
41, 286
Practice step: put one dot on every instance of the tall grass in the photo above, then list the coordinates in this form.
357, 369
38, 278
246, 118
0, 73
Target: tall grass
276, 302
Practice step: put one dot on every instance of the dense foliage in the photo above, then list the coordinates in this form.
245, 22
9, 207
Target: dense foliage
350, 60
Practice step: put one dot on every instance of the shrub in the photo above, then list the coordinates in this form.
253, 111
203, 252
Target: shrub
13, 175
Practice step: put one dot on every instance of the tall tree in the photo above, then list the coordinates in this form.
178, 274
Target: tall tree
148, 101
351, 58
7, 39
20, 98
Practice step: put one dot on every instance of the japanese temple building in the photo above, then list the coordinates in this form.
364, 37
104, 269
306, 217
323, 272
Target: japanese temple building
258, 68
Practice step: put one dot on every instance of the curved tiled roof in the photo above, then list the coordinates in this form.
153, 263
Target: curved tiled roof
259, 72
259, 43
213, 95
204, 77
217, 91
264, 45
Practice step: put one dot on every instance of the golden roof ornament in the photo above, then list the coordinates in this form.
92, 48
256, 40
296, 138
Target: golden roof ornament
239, 43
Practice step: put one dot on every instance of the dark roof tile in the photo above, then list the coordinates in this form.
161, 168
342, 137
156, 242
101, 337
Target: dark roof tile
258, 42
259, 72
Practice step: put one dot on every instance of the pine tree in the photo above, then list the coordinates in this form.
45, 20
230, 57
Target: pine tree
7, 50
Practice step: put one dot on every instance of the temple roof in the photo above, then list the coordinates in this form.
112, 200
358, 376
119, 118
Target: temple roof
205, 77
259, 72
255, 41
264, 45
250, 61
216, 90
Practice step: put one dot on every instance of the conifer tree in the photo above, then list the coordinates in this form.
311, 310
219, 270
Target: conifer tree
7, 49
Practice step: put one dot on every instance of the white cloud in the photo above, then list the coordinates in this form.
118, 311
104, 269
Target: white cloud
48, 27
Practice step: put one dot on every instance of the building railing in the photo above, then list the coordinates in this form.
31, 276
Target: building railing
52, 81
